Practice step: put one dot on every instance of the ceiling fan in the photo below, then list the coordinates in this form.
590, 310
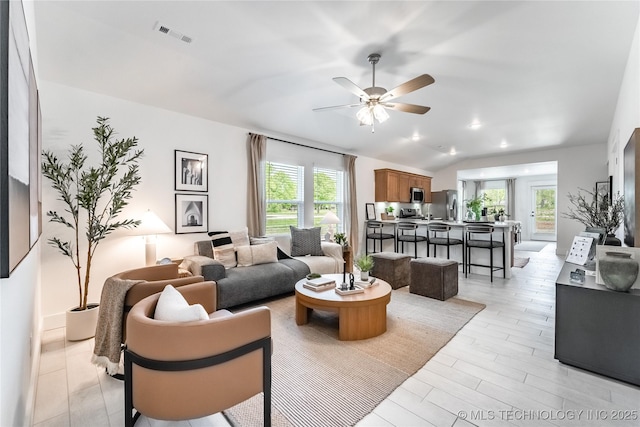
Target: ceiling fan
375, 100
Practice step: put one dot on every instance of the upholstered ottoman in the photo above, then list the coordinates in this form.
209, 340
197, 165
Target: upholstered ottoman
434, 278
391, 267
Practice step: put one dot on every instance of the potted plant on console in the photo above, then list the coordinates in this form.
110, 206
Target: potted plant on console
388, 214
365, 265
93, 197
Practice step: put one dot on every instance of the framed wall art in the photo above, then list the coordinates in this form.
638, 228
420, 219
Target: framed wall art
192, 213
603, 189
192, 171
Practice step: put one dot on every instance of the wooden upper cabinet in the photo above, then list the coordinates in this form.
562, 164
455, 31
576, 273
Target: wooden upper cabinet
395, 186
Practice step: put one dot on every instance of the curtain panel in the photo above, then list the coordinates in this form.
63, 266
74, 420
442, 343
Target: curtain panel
351, 204
256, 203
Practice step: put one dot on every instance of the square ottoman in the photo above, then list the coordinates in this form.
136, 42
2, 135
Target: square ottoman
392, 267
434, 278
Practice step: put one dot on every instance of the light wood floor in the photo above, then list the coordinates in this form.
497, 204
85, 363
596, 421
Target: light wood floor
498, 370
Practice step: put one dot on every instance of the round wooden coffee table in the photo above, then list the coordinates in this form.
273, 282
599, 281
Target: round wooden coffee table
361, 316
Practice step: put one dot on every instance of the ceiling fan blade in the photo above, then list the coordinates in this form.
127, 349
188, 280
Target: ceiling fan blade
351, 87
335, 107
406, 87
407, 108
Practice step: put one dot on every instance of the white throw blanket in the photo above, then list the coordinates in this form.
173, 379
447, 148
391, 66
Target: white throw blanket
106, 352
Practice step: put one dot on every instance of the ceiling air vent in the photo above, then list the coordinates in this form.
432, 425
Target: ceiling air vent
175, 34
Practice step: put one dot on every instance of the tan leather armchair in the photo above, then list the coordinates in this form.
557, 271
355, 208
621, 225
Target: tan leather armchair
181, 371
155, 277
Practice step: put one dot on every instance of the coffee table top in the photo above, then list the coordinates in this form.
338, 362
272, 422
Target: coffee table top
379, 291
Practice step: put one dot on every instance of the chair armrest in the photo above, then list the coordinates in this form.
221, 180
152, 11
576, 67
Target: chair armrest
214, 271
192, 340
142, 290
332, 250
203, 293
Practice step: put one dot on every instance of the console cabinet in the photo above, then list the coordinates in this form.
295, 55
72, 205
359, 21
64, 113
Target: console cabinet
597, 329
395, 186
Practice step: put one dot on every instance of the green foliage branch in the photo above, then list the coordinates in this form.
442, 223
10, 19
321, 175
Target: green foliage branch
99, 192
364, 262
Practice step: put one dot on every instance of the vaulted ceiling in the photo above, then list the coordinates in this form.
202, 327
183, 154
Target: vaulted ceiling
535, 74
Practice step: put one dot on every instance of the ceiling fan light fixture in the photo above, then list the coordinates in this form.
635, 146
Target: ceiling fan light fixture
380, 113
365, 116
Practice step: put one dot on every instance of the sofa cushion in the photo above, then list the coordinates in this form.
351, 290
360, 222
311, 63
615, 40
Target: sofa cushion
240, 237
223, 249
257, 254
305, 241
172, 307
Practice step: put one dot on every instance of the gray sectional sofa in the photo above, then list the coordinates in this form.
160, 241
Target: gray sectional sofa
242, 285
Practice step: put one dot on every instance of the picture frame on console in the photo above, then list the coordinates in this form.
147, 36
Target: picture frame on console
370, 211
192, 213
191, 171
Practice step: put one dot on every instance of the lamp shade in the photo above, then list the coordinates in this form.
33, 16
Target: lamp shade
150, 224
330, 218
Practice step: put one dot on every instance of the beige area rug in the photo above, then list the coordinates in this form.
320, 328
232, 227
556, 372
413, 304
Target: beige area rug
520, 262
321, 381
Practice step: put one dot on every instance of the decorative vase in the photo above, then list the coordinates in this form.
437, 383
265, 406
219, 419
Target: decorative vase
470, 215
364, 276
502, 218
612, 240
81, 324
618, 270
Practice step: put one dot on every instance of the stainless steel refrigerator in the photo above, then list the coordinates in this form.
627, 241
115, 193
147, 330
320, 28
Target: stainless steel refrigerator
444, 205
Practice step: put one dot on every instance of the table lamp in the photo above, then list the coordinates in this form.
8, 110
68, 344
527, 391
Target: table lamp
331, 219
150, 226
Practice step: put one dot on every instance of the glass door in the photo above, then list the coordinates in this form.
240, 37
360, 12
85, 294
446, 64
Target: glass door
543, 212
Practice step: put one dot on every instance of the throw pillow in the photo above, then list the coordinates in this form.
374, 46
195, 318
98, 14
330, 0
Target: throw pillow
240, 237
257, 254
305, 241
223, 249
172, 307
261, 240
194, 263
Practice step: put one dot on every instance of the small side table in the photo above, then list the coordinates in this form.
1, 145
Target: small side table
347, 254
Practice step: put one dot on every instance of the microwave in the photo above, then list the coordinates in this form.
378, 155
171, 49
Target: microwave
417, 195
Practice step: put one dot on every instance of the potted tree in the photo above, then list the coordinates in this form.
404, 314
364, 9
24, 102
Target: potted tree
388, 214
93, 197
597, 211
365, 265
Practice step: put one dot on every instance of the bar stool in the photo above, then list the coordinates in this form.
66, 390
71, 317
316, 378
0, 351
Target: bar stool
472, 241
441, 237
376, 235
411, 236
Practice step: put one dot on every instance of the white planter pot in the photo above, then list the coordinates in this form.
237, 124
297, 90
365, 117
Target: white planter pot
81, 324
364, 276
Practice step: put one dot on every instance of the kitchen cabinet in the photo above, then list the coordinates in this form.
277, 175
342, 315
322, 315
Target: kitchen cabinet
394, 186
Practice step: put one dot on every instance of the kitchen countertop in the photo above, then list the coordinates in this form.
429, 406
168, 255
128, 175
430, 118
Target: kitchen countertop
497, 224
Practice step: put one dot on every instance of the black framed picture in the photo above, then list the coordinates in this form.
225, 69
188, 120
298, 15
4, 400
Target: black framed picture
192, 173
603, 189
192, 213
370, 211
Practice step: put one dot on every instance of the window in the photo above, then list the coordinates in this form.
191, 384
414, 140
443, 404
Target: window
284, 194
495, 196
289, 203
328, 195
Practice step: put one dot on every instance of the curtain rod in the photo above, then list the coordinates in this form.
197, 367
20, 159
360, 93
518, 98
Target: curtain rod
305, 146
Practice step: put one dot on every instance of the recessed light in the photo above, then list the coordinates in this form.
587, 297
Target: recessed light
503, 144
415, 137
476, 124
452, 152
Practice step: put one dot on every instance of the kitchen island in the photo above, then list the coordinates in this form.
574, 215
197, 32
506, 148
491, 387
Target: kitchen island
503, 229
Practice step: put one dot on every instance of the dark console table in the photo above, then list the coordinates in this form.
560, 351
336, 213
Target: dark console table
597, 329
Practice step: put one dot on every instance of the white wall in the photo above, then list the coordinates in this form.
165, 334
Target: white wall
68, 116
578, 167
19, 340
626, 117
